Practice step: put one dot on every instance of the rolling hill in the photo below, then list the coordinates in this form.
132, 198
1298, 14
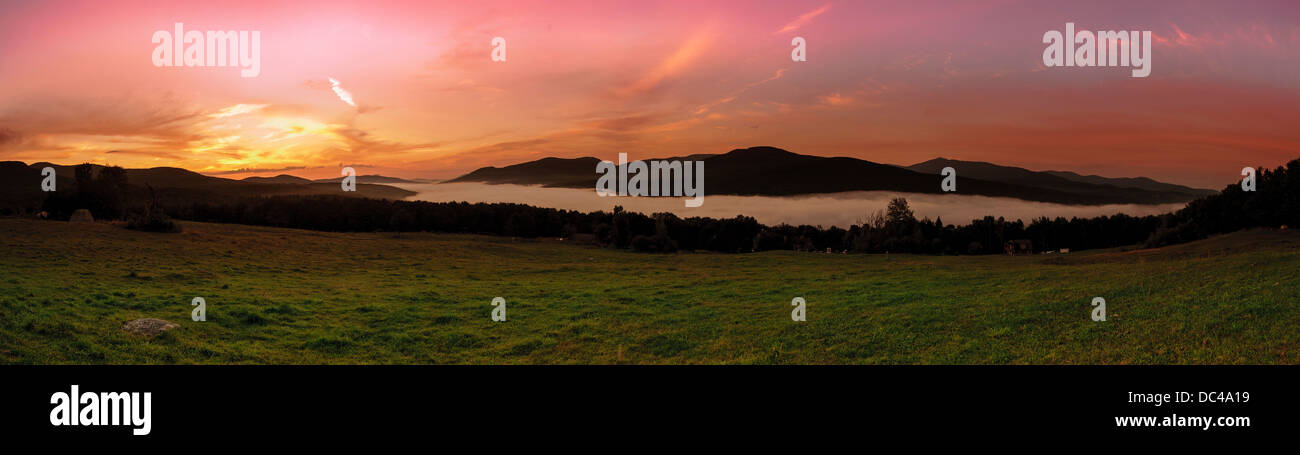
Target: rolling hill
174, 185
1131, 182
550, 172
1142, 189
771, 171
282, 178
286, 296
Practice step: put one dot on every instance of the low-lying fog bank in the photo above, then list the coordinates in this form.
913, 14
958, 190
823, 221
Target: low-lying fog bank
837, 209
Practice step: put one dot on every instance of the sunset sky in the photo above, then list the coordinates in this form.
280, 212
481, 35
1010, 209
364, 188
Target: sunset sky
895, 82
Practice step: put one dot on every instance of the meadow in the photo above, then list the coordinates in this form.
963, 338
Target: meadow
283, 296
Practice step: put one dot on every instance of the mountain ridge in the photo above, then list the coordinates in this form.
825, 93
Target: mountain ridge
772, 171
1063, 179
173, 183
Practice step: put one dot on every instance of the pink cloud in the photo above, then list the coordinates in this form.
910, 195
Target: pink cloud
803, 19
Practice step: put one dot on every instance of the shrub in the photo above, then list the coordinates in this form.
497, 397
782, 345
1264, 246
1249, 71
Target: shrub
152, 221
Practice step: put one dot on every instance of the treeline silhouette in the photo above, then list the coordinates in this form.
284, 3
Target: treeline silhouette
895, 228
105, 192
1274, 203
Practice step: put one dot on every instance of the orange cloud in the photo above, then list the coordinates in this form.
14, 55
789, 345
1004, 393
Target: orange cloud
836, 99
673, 64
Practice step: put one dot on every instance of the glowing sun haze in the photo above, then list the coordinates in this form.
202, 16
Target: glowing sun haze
409, 89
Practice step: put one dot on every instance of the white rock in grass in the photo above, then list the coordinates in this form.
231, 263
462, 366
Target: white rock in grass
149, 326
82, 216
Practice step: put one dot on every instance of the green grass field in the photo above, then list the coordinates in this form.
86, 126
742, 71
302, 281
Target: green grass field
289, 296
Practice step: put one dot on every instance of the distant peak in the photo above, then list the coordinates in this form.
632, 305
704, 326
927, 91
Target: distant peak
555, 159
761, 150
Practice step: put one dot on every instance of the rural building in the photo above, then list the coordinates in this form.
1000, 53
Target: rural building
1019, 246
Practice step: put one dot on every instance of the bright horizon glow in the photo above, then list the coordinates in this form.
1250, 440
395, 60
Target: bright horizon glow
890, 82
